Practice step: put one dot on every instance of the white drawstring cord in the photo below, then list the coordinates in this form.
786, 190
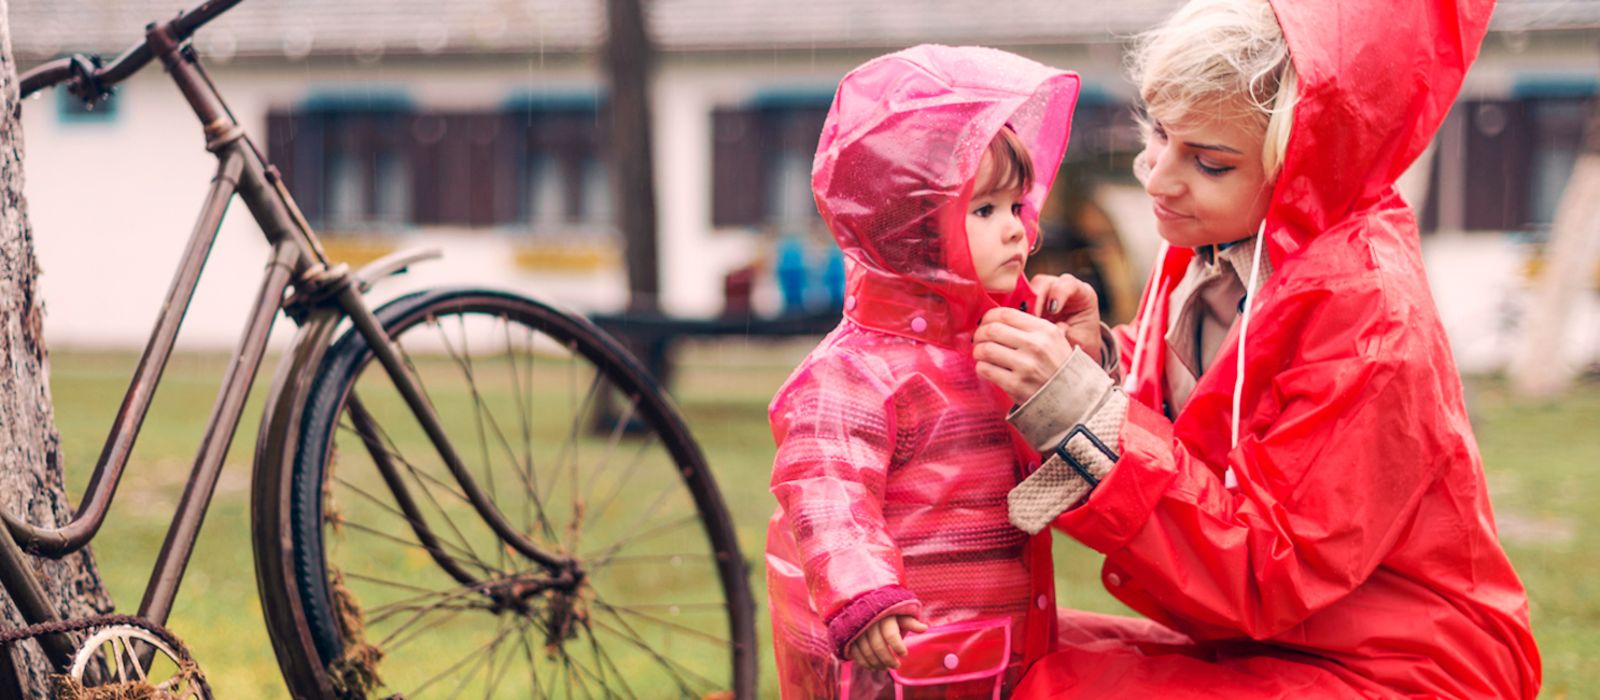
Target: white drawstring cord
1244, 328
1144, 318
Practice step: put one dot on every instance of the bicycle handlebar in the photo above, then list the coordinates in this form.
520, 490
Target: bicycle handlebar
129, 61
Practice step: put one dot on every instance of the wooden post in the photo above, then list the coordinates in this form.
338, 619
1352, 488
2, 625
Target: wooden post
629, 57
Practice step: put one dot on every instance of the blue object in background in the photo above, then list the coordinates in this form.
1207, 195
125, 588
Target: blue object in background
833, 277
792, 273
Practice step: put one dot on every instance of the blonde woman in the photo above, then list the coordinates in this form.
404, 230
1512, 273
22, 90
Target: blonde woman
1274, 457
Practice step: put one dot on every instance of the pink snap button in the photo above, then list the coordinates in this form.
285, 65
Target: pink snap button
1042, 602
919, 324
850, 303
950, 661
1114, 579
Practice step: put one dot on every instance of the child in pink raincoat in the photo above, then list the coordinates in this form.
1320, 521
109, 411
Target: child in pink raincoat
891, 565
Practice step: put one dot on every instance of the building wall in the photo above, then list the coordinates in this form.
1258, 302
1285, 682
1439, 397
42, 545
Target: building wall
113, 202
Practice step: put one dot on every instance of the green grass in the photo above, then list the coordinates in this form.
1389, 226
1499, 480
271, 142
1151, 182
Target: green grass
1540, 460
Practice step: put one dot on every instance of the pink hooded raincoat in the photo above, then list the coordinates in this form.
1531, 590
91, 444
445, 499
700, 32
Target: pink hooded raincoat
894, 458
1357, 556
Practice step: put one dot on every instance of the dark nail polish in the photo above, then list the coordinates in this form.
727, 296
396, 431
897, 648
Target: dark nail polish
1052, 306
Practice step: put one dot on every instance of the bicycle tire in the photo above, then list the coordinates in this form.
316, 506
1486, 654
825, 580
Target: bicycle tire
326, 588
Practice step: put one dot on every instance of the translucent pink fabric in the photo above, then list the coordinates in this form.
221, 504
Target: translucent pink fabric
894, 458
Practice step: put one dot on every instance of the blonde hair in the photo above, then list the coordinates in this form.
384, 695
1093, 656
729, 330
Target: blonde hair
1222, 59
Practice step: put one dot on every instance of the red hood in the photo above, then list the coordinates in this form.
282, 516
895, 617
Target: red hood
1376, 80
904, 136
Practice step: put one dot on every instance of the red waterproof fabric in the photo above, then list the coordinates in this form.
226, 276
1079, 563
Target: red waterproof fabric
1358, 556
894, 458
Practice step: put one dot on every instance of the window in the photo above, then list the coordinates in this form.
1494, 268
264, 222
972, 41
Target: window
346, 159
71, 109
368, 164
558, 148
1518, 155
761, 161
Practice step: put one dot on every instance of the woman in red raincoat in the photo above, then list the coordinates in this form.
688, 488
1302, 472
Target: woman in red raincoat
1286, 483
894, 459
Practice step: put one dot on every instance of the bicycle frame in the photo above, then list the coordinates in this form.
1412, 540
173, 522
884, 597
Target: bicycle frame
323, 295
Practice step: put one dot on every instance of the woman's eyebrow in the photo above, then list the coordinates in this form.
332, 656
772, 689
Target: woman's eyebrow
1213, 147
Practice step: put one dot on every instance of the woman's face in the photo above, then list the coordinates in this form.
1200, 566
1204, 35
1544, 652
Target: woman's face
1205, 178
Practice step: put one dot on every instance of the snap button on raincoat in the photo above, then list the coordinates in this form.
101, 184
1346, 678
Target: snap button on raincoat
1357, 556
894, 457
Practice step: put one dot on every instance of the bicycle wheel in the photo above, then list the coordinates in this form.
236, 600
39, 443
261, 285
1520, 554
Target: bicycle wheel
406, 590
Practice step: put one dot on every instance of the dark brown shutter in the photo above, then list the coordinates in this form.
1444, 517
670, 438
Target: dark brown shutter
738, 175
295, 145
1497, 165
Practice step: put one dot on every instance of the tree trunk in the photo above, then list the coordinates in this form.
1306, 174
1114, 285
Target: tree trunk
628, 63
30, 450
1540, 368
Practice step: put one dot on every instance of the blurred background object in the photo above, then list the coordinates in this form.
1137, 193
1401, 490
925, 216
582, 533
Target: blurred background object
487, 127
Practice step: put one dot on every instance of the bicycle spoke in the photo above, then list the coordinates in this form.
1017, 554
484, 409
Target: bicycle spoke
522, 413
422, 478
496, 679
685, 629
470, 656
614, 439
671, 526
672, 668
672, 559
605, 661
470, 556
562, 458
358, 527
627, 477
480, 411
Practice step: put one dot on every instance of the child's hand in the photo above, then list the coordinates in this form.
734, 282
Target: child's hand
879, 646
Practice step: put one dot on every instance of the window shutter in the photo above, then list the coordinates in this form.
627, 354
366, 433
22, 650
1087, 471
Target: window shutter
738, 175
1497, 165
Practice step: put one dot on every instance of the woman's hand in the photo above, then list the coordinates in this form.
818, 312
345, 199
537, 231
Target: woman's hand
1073, 306
1020, 352
880, 646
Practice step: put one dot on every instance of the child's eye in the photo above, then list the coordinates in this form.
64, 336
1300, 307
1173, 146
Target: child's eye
1016, 210
984, 211
1212, 170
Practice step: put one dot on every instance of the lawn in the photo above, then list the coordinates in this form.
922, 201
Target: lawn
1539, 460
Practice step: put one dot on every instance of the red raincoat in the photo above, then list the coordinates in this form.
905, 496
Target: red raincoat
894, 458
1357, 556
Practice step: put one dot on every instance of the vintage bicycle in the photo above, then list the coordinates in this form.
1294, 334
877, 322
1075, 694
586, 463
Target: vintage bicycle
438, 508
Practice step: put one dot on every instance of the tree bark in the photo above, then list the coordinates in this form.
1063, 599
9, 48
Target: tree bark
629, 58
30, 449
1540, 368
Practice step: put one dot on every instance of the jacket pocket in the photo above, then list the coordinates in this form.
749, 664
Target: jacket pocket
970, 654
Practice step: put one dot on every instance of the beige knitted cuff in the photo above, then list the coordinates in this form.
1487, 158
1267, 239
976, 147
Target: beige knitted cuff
1067, 399
1059, 485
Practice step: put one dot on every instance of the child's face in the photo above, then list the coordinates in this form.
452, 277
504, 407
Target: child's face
1206, 181
995, 234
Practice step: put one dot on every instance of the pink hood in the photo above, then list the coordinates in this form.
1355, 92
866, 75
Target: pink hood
918, 121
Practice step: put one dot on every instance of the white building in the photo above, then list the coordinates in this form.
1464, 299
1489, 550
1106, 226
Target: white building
474, 125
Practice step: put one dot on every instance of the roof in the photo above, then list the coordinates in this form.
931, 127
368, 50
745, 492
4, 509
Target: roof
296, 28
